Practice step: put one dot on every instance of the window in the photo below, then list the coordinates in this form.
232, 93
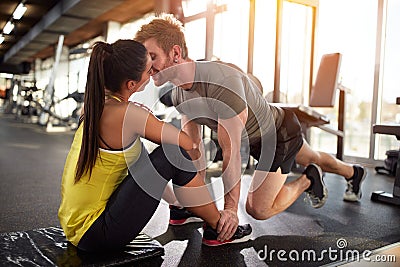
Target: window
231, 33
195, 33
295, 53
264, 45
349, 27
390, 85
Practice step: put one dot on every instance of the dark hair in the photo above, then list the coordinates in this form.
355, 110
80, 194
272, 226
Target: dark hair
110, 66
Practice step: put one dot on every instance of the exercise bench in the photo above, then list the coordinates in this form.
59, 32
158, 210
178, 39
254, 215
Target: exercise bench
323, 94
49, 247
381, 196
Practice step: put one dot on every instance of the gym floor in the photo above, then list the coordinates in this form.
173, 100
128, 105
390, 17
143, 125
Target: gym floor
31, 164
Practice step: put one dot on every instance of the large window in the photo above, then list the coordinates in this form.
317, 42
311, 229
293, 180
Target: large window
349, 27
195, 27
264, 45
231, 33
295, 52
195, 33
390, 85
212, 26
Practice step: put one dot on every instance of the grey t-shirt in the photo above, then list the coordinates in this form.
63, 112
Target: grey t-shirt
220, 91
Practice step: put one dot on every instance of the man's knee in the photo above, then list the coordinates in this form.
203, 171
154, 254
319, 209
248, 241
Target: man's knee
309, 158
259, 212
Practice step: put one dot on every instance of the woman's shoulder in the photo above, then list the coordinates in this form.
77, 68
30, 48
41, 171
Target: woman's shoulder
113, 114
126, 110
115, 107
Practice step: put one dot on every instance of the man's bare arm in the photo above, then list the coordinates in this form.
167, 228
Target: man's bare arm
197, 153
229, 138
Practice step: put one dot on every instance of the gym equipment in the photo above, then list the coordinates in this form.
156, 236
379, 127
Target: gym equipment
26, 106
391, 129
323, 94
382, 196
71, 120
49, 247
389, 164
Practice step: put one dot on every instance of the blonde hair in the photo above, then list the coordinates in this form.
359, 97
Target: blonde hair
166, 30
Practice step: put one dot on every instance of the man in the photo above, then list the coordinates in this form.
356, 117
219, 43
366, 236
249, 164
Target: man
222, 97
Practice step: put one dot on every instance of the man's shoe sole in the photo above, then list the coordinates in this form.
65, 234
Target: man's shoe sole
354, 197
323, 200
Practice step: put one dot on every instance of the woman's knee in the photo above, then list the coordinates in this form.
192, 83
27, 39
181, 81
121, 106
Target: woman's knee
170, 153
160, 161
174, 163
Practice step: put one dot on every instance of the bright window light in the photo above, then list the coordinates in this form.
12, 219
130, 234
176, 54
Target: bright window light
1, 38
8, 27
6, 76
19, 11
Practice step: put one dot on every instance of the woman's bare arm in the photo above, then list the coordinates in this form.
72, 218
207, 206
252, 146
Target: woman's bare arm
142, 122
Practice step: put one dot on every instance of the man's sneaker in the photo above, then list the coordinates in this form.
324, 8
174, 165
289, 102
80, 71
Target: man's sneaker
353, 191
210, 235
317, 192
179, 216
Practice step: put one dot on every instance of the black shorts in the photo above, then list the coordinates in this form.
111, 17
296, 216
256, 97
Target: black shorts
289, 140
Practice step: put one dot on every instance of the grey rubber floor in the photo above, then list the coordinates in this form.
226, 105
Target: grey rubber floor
31, 164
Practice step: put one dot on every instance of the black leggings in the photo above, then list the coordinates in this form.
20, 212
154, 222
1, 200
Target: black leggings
134, 202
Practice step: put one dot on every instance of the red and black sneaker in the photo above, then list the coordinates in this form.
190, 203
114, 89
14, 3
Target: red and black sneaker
242, 234
180, 216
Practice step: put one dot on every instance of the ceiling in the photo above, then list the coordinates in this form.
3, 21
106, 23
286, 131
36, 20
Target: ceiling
36, 33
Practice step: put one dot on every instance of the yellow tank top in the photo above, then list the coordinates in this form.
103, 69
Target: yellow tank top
83, 202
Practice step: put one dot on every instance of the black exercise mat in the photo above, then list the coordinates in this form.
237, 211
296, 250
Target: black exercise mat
49, 247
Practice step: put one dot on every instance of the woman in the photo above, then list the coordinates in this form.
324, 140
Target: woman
104, 206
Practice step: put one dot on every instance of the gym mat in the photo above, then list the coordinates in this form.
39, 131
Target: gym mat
49, 247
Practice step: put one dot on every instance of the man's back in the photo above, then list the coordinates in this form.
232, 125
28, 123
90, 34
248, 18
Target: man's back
221, 91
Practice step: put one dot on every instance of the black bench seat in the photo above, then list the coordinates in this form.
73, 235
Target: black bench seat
49, 247
381, 196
